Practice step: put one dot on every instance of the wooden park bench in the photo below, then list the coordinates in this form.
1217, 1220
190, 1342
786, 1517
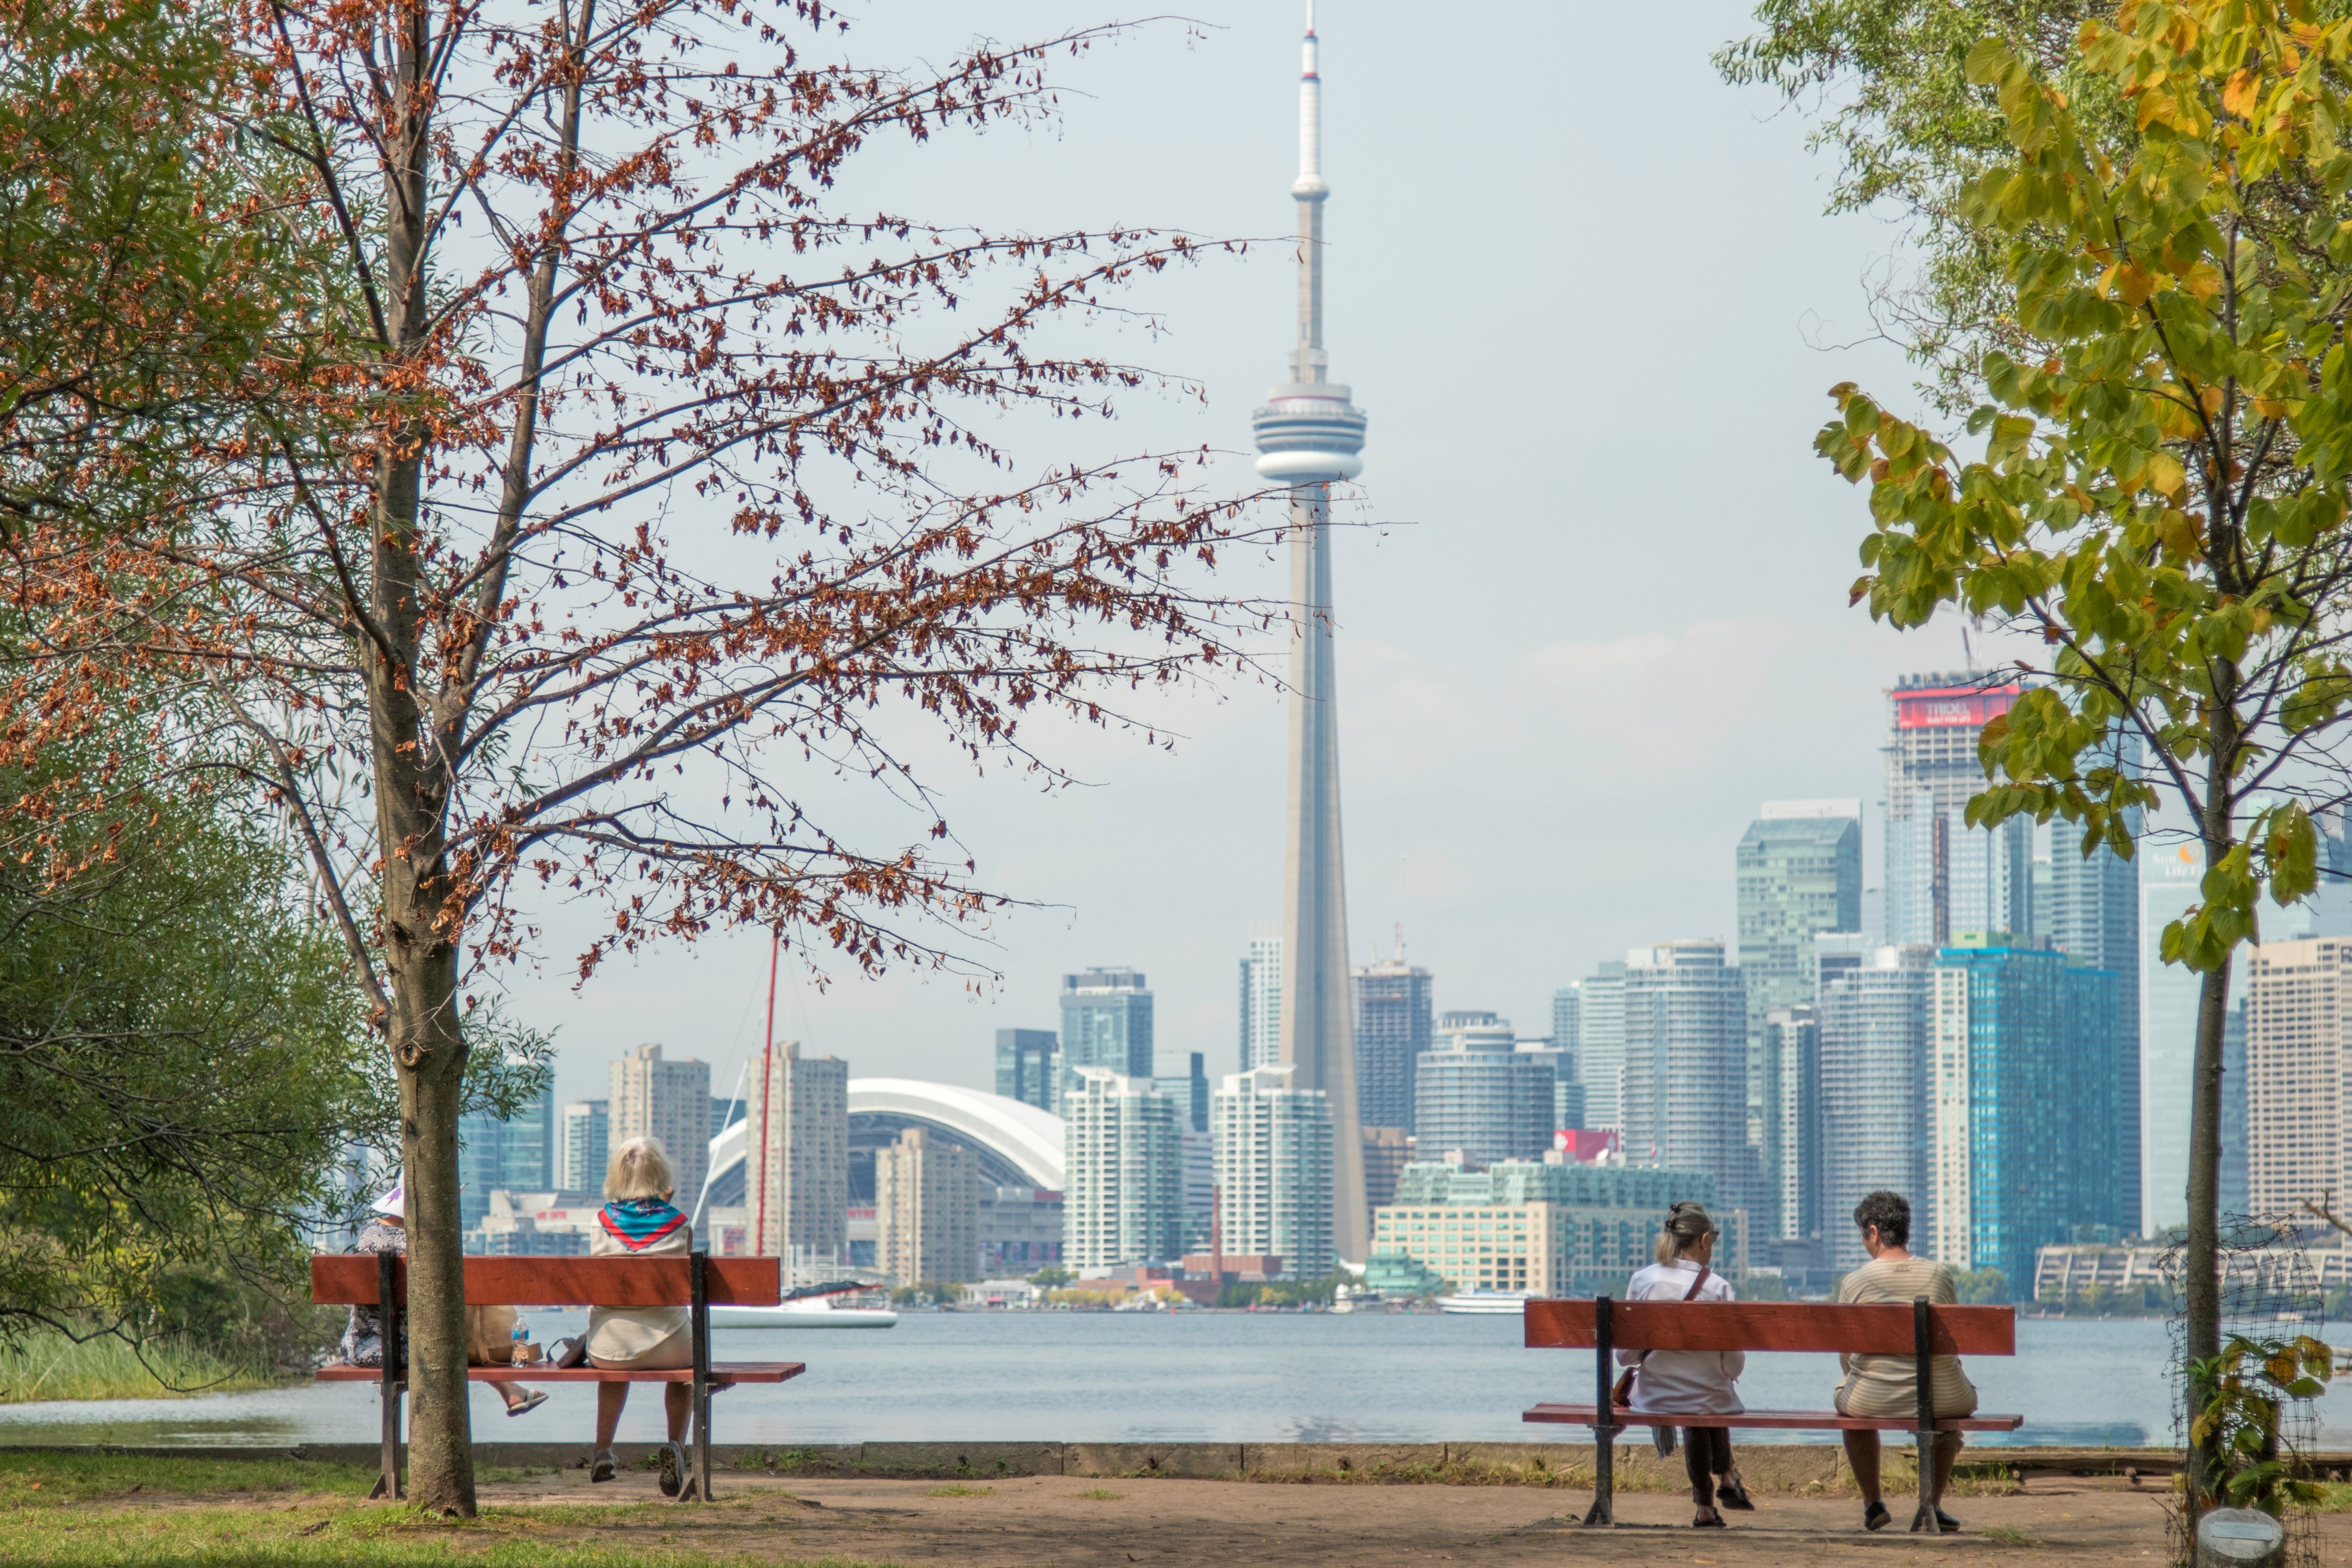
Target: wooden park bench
1919, 1330
694, 1281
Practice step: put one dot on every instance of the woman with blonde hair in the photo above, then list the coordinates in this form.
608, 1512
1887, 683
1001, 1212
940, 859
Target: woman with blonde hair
1690, 1383
639, 1221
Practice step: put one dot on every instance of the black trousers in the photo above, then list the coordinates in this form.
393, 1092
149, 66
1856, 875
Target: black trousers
1706, 1453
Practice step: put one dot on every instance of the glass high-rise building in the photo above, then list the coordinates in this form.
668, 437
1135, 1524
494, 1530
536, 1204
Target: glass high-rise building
518, 1155
1798, 870
2170, 877
1190, 1092
1601, 1044
1106, 1023
1788, 1063
1477, 1093
1261, 997
1393, 1027
1686, 1077
653, 1097
1125, 1158
1874, 1026
1027, 1069
1274, 1170
2022, 1084
1942, 878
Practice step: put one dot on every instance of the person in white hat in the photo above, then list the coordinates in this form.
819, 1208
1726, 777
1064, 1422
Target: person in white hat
387, 1231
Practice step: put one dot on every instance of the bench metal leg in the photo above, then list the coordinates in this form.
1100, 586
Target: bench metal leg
699, 1331
1922, 1348
1604, 1423
387, 1310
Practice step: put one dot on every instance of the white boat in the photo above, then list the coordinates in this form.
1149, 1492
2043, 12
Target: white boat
808, 1312
1481, 1301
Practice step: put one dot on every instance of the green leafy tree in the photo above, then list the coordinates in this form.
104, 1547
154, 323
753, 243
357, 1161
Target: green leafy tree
2161, 498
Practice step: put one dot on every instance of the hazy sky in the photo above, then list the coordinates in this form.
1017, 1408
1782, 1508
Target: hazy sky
1583, 291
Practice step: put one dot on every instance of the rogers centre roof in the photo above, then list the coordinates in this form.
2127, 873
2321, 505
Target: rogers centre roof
1021, 1136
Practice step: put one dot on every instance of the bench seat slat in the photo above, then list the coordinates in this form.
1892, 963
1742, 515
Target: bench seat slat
1776, 1420
721, 1373
347, 1280
1861, 1329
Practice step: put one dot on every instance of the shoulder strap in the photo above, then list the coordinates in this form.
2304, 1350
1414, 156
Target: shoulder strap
1703, 1272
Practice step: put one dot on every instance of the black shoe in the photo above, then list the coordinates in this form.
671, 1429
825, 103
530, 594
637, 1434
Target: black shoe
1708, 1522
601, 1468
673, 1470
1735, 1496
1947, 1523
1876, 1517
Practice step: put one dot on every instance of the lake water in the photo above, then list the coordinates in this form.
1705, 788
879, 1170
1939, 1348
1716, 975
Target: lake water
1166, 1377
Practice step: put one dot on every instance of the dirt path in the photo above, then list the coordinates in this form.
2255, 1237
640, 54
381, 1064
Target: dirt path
1051, 1521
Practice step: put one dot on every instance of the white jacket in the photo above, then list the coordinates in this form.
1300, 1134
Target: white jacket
1683, 1383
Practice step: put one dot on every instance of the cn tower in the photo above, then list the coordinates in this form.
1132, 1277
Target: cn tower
1307, 437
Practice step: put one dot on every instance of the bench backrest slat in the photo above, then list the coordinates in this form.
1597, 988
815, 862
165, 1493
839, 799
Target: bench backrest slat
350, 1280
1876, 1328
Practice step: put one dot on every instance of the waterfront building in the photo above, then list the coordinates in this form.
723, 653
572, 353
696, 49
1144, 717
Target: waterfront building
2298, 1028
2171, 876
1191, 1094
1475, 1093
652, 1096
927, 1207
1549, 1229
796, 1183
1831, 953
1275, 1168
1685, 1095
2023, 1082
1125, 1203
586, 1139
1387, 1151
1873, 1024
1600, 1044
516, 1155
1943, 877
2234, 1197
1308, 437
1394, 1027
1198, 1156
1028, 1066
1261, 999
1567, 1109
1789, 1060
1106, 1023
1799, 871
1020, 1229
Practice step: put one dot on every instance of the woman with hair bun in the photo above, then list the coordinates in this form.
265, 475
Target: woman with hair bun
1690, 1383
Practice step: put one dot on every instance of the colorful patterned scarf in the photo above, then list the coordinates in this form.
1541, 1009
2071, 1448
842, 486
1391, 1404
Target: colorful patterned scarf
638, 1223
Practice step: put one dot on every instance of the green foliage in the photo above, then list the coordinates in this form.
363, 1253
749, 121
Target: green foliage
925, 1292
1279, 1293
1764, 1287
2246, 1384
46, 1363
2163, 486
1981, 1287
180, 1057
1051, 1277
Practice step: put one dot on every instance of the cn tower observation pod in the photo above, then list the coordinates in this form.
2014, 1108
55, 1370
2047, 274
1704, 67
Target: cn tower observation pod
1308, 433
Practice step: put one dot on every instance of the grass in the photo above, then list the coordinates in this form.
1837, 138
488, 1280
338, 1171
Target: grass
2008, 1536
1102, 1494
961, 1491
55, 1480
48, 1365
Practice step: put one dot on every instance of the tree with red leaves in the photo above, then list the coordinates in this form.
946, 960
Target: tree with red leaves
623, 497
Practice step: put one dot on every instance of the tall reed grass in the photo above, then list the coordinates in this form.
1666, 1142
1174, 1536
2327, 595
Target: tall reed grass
46, 1364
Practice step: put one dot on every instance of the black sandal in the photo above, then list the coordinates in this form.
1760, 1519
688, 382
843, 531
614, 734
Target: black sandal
1735, 1496
1708, 1522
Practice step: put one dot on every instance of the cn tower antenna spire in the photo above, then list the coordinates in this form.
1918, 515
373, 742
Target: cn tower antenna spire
1309, 436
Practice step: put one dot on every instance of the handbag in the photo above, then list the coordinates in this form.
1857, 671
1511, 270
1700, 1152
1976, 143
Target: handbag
1623, 1394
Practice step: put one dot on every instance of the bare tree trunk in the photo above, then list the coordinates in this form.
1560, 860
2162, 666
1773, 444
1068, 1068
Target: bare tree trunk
2200, 1259
420, 924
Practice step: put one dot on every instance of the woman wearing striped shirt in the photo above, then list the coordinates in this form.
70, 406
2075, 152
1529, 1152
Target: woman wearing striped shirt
1887, 1386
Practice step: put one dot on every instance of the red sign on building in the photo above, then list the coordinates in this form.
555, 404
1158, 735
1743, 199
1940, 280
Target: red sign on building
1942, 707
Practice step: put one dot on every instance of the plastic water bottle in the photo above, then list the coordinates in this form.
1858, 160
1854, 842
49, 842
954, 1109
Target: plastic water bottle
520, 1355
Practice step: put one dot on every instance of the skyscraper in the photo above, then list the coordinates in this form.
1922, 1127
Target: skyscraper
1191, 1094
1274, 1169
2299, 1027
1309, 436
587, 1132
1477, 1094
1685, 1096
1125, 1201
1106, 1023
515, 1155
1025, 1068
1601, 1044
669, 1101
1799, 871
1261, 1041
1789, 1061
1874, 1091
927, 1209
797, 1167
2021, 1089
2170, 879
1392, 1012
1943, 877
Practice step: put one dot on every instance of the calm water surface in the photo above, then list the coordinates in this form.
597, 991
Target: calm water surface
1170, 1377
